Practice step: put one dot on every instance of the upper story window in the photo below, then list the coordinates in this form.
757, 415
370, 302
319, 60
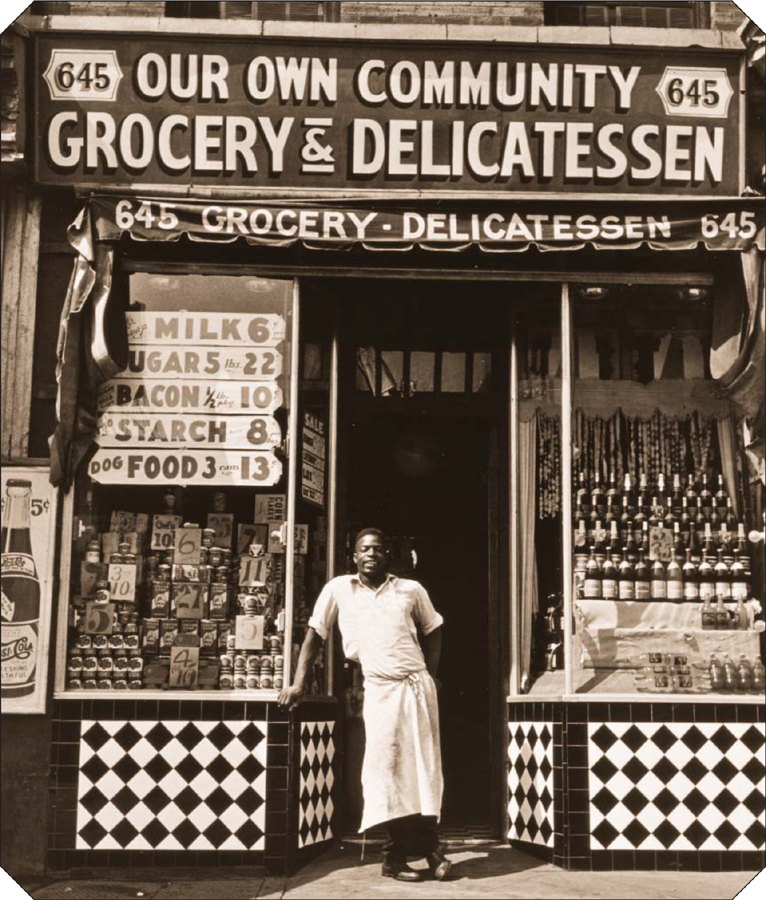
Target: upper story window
304, 10
642, 15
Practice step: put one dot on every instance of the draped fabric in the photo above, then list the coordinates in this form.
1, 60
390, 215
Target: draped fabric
527, 520
727, 442
92, 347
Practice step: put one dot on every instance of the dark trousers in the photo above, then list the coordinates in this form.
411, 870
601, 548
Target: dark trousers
410, 836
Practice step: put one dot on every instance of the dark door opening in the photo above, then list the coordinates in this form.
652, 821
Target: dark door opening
425, 478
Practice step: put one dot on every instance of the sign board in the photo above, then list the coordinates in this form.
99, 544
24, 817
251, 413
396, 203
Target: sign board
241, 397
26, 641
255, 571
163, 530
122, 582
187, 545
206, 431
313, 459
249, 632
223, 525
189, 599
111, 109
660, 543
229, 330
184, 666
217, 468
212, 363
98, 618
269, 507
252, 539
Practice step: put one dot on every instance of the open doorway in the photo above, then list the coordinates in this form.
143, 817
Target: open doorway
424, 481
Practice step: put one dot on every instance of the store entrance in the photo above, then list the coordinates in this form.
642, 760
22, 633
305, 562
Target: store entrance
425, 481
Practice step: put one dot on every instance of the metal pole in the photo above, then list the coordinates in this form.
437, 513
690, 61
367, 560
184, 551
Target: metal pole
513, 558
566, 480
292, 479
332, 485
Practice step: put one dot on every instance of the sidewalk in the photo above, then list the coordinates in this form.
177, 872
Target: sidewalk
481, 871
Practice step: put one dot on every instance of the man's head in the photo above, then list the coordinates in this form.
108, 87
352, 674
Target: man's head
371, 552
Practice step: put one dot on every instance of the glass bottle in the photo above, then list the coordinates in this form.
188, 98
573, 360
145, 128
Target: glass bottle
599, 542
722, 617
678, 542
729, 674
677, 496
624, 513
742, 547
708, 615
716, 673
627, 493
722, 579
643, 501
706, 580
581, 498
691, 579
627, 581
581, 546
708, 546
685, 521
744, 674
694, 545
741, 616
705, 497
656, 514
615, 544
610, 578
631, 546
643, 582
674, 578
759, 675
661, 490
598, 497
669, 519
592, 586
613, 494
721, 495
691, 491
740, 589
659, 585
730, 518
725, 545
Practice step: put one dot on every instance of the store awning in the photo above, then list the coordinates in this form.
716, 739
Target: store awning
505, 224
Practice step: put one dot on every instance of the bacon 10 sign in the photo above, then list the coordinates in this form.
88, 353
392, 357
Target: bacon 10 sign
236, 397
219, 468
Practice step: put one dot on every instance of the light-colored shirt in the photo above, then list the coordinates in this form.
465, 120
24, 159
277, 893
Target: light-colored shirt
379, 628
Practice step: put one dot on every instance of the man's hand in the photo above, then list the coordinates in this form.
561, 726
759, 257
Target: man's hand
291, 697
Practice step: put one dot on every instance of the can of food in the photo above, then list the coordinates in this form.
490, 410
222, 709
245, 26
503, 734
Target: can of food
226, 663
266, 664
208, 537
231, 641
168, 557
189, 626
279, 664
116, 641
116, 559
84, 641
225, 681
100, 641
120, 684
253, 663
93, 552
135, 685
219, 601
135, 665
219, 501
267, 682
75, 684
240, 681
215, 557
206, 573
221, 574
129, 559
279, 682
168, 633
240, 663
121, 665
102, 594
90, 666
275, 643
105, 665
75, 651
123, 547
118, 627
74, 666
208, 636
227, 555
104, 684
224, 632
89, 684
132, 641
204, 556
131, 628
164, 572
253, 681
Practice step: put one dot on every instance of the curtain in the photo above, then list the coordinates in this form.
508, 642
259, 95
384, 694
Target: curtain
727, 441
92, 347
527, 558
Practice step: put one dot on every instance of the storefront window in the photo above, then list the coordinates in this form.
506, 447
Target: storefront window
662, 593
183, 574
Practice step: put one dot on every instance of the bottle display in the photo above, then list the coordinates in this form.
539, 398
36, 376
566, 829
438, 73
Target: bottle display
20, 593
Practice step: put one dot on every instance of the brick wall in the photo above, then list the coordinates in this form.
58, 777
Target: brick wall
726, 16
472, 13
100, 8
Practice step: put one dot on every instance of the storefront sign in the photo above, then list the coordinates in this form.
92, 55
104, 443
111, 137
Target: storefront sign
153, 430
212, 363
124, 394
218, 468
209, 328
505, 224
29, 505
254, 112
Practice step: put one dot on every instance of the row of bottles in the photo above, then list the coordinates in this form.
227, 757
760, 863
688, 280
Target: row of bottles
725, 675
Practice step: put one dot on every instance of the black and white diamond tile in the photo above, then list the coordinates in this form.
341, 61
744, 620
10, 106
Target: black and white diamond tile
530, 782
315, 809
676, 786
171, 786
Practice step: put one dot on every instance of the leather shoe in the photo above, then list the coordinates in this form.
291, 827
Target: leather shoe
439, 864
401, 872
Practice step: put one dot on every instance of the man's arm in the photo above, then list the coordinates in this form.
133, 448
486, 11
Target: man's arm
292, 696
432, 648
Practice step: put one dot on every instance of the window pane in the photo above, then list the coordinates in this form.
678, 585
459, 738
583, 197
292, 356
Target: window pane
453, 373
422, 366
482, 372
393, 370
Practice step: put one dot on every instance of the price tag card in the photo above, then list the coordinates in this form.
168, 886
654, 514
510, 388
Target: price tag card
249, 632
250, 538
270, 507
187, 546
90, 575
223, 523
122, 582
190, 600
163, 531
184, 666
660, 543
99, 618
254, 571
122, 521
275, 538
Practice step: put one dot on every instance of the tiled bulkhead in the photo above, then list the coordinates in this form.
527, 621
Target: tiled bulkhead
190, 783
640, 786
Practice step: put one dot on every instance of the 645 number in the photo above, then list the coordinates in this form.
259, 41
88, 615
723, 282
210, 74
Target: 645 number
90, 75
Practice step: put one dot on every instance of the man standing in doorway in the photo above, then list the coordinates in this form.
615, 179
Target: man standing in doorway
391, 628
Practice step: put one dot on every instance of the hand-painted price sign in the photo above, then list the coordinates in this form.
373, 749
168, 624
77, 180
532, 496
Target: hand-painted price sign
121, 395
660, 543
220, 363
90, 574
250, 537
122, 582
187, 544
249, 632
270, 507
218, 329
223, 525
184, 667
189, 599
163, 531
182, 430
254, 571
219, 468
99, 618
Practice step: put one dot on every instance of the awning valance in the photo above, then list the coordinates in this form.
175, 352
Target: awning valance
500, 225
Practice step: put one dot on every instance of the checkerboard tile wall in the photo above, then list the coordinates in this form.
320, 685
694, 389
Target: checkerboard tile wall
676, 786
148, 785
530, 782
315, 809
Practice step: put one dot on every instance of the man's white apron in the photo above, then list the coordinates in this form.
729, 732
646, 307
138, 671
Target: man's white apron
402, 771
